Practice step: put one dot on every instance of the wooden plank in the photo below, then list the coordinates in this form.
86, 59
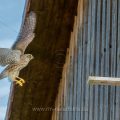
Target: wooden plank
92, 59
79, 86
88, 60
113, 57
117, 110
75, 56
66, 87
82, 82
68, 80
63, 93
93, 80
79, 82
97, 56
76, 71
84, 63
107, 60
71, 78
102, 59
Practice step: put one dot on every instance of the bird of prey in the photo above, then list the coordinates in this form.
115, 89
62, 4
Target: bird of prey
15, 58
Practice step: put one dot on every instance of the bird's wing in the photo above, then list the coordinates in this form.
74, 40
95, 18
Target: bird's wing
8, 56
26, 34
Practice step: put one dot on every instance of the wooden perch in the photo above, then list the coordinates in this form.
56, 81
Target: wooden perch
94, 80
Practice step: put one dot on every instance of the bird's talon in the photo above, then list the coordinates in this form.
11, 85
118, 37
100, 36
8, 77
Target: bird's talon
19, 83
22, 81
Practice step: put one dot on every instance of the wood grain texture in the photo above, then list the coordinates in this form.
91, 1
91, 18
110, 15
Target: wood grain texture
90, 34
55, 20
96, 53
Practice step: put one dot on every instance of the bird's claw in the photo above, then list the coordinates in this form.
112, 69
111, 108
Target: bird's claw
20, 81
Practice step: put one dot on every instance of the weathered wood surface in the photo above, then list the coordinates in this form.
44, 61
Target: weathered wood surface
94, 50
55, 20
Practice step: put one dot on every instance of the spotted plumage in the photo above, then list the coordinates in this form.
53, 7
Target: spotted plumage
8, 56
14, 58
12, 71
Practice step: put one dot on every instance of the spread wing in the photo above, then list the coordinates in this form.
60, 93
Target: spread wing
26, 34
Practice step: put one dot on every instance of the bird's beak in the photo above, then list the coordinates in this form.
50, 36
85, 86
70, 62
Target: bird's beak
32, 57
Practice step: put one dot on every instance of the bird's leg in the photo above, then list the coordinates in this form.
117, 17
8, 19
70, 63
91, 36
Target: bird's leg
20, 79
17, 80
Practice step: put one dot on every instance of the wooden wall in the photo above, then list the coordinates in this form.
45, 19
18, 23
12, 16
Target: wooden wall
94, 50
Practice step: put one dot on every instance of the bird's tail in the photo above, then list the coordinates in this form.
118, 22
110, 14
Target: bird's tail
2, 75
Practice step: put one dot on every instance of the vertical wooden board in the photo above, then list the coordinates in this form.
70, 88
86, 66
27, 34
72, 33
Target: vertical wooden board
63, 92
82, 65
68, 82
113, 56
79, 72
79, 13
75, 69
117, 115
71, 79
63, 89
79, 81
97, 56
74, 81
68, 100
82, 82
107, 62
60, 101
85, 35
92, 59
65, 95
53, 116
66, 86
88, 59
102, 57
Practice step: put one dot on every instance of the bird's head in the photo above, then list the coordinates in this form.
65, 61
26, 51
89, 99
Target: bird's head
27, 57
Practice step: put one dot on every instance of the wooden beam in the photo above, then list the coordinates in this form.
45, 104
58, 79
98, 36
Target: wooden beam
94, 80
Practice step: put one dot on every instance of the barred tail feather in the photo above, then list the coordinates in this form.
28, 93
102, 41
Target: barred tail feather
2, 75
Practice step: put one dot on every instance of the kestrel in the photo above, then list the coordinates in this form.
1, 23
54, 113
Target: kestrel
14, 58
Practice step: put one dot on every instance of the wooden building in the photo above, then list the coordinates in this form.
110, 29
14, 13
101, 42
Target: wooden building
74, 40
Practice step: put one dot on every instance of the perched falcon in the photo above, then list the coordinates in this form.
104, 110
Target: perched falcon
14, 58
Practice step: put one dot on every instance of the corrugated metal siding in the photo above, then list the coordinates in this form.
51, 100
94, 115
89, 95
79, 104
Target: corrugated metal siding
94, 50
